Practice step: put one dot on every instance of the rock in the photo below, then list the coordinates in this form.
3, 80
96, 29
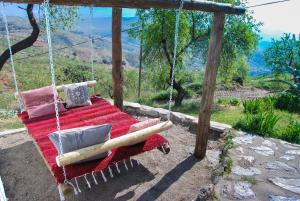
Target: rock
269, 144
277, 165
292, 185
213, 157
238, 170
240, 149
288, 157
281, 198
205, 193
132, 105
245, 139
263, 150
289, 145
250, 159
246, 161
148, 111
293, 152
163, 113
240, 190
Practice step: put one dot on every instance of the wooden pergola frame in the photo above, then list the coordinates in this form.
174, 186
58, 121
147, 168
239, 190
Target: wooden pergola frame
213, 59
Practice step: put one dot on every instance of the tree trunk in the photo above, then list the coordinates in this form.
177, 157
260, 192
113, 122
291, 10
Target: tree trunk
27, 42
181, 93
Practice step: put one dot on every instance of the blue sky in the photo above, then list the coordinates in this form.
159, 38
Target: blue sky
276, 18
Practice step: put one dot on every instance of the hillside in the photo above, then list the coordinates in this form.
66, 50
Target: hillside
101, 29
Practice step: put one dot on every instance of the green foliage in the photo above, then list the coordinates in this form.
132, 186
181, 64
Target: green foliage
60, 17
229, 101
292, 132
288, 101
284, 54
196, 87
253, 106
284, 58
261, 123
163, 95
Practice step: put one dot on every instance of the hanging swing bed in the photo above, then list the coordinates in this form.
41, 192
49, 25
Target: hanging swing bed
125, 135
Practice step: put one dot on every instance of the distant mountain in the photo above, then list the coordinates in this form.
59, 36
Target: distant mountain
257, 66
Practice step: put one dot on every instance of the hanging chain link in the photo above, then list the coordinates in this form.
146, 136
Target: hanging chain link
11, 58
177, 24
92, 46
48, 29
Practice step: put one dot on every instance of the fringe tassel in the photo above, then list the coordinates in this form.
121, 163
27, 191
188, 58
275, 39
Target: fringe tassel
87, 181
95, 180
77, 185
110, 172
116, 164
61, 195
131, 162
74, 188
138, 163
162, 147
125, 164
103, 176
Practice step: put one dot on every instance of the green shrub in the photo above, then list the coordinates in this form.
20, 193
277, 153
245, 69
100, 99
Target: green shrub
292, 132
261, 123
288, 101
234, 102
253, 106
196, 87
231, 101
163, 95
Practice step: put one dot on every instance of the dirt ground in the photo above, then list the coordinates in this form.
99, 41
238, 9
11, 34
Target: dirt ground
177, 176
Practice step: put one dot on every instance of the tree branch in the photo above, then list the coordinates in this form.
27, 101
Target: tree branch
23, 44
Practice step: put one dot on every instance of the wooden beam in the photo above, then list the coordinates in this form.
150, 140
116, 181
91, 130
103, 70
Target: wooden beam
122, 141
117, 69
209, 84
206, 6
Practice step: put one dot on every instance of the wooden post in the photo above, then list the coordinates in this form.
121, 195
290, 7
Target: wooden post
209, 83
117, 69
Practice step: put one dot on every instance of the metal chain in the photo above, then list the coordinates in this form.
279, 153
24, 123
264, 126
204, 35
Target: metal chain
92, 46
46, 9
177, 23
11, 58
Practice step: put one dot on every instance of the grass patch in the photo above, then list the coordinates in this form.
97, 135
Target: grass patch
250, 180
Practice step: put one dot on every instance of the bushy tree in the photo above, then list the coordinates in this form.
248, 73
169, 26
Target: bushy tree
283, 56
240, 39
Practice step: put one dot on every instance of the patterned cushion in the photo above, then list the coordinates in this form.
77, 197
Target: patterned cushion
77, 95
78, 138
37, 97
144, 124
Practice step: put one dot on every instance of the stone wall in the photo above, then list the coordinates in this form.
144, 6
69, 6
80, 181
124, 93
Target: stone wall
176, 117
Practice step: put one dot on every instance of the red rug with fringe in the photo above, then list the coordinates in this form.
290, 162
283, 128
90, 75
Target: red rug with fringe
100, 112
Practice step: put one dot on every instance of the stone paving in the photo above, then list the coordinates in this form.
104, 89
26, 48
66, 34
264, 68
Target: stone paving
262, 169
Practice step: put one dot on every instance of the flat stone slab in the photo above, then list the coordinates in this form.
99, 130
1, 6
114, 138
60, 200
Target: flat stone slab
281, 198
288, 157
12, 131
292, 185
277, 165
238, 170
269, 144
245, 139
239, 190
293, 152
263, 150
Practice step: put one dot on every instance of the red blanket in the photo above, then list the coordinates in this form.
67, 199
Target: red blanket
99, 112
